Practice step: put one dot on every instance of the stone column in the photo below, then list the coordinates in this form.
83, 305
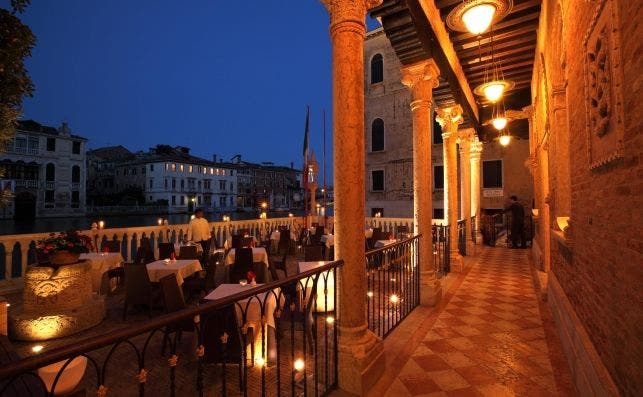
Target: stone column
475, 152
449, 118
361, 360
421, 78
560, 131
466, 136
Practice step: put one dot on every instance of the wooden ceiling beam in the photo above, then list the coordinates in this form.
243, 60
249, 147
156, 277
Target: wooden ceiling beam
514, 41
500, 27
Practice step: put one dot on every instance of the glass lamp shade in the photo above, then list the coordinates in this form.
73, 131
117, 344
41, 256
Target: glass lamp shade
478, 18
499, 123
505, 139
494, 91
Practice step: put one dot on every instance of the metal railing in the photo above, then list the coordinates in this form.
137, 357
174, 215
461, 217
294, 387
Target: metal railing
296, 357
393, 284
474, 229
441, 249
462, 237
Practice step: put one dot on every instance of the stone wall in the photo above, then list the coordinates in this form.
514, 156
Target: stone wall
587, 89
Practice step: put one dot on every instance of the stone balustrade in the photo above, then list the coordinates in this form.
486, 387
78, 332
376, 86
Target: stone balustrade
18, 250
388, 225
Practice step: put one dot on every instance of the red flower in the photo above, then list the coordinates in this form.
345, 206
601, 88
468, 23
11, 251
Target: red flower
250, 275
70, 245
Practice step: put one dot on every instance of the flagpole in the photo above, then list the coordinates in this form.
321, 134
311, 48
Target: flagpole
324, 190
305, 168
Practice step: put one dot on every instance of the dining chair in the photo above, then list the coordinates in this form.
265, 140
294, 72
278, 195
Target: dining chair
144, 253
188, 252
215, 325
314, 253
165, 250
173, 301
212, 277
236, 241
139, 290
242, 264
243, 232
247, 242
284, 241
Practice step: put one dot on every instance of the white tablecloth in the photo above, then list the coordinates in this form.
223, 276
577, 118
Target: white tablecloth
259, 254
276, 235
384, 243
329, 283
177, 248
101, 262
253, 314
328, 240
182, 268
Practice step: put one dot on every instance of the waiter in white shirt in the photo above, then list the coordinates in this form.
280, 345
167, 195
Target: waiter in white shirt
199, 231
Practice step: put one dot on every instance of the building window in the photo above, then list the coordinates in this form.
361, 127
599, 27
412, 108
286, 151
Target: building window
75, 147
182, 200
173, 200
437, 133
151, 199
151, 183
180, 167
221, 185
49, 198
438, 177
173, 167
492, 174
173, 183
377, 180
167, 167
143, 169
50, 173
377, 135
182, 184
438, 213
212, 171
377, 69
377, 212
151, 167
75, 174
190, 169
166, 184
51, 144
221, 201
75, 199
33, 145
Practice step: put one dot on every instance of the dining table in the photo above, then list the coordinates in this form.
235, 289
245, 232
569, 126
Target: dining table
329, 239
259, 255
101, 262
384, 243
326, 281
182, 268
254, 315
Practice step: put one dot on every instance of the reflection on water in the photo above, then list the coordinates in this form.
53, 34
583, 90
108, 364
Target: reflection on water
9, 226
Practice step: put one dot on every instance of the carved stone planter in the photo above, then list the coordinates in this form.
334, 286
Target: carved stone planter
56, 303
62, 258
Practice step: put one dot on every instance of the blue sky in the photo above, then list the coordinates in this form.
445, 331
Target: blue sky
222, 77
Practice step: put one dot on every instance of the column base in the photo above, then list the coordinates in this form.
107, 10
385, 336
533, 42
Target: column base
430, 289
360, 359
456, 262
471, 248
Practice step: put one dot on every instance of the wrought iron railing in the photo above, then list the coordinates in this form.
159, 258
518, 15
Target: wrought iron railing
393, 284
474, 229
462, 237
296, 357
441, 249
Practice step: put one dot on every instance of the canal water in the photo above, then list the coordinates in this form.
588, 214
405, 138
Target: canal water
42, 225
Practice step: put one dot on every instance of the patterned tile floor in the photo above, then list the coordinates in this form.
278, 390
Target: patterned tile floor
491, 336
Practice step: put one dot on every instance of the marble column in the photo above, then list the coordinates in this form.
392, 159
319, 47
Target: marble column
475, 153
560, 132
360, 358
465, 137
449, 119
421, 78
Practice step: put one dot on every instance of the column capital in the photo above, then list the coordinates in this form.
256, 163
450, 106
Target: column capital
349, 11
421, 78
475, 149
449, 118
466, 135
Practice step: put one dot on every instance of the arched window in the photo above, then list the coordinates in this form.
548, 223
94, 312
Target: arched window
377, 135
377, 69
50, 173
75, 174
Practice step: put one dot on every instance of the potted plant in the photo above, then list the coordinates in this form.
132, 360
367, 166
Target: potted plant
64, 248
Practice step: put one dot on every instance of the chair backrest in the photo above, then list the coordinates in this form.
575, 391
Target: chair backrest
173, 299
111, 246
165, 250
313, 253
243, 232
319, 231
282, 228
402, 229
215, 324
138, 287
236, 241
144, 253
188, 252
242, 264
378, 234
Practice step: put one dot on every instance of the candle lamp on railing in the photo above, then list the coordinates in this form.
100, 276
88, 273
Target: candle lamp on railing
101, 224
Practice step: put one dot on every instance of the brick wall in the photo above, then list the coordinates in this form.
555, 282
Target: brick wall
599, 267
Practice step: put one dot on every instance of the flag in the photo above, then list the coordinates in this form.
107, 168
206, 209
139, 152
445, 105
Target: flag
304, 170
306, 135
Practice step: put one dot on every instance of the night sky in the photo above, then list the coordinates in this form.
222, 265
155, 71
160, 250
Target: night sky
224, 77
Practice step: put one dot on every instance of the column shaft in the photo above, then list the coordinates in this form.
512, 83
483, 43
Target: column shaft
449, 119
421, 78
475, 152
360, 352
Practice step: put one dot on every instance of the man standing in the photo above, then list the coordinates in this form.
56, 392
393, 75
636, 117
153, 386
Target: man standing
199, 231
517, 223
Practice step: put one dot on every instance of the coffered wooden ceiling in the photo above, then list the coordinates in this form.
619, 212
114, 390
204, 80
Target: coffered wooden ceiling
413, 38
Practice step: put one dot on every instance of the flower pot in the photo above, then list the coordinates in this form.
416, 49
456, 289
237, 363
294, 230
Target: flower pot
61, 258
